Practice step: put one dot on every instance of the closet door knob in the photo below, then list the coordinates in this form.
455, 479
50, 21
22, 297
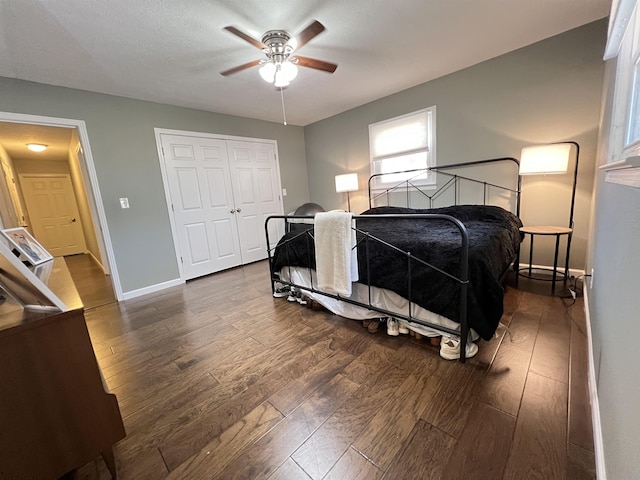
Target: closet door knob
238, 210
232, 211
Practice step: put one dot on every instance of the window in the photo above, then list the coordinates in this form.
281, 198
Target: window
633, 127
623, 42
625, 125
401, 144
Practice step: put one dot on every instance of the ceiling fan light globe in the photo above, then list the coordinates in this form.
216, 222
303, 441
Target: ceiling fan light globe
280, 80
267, 72
288, 70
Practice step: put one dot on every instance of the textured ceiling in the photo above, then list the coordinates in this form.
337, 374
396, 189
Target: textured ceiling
15, 136
171, 51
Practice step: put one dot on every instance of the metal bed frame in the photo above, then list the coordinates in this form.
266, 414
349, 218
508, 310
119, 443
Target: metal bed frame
462, 279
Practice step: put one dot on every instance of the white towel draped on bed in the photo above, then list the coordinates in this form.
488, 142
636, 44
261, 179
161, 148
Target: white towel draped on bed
336, 257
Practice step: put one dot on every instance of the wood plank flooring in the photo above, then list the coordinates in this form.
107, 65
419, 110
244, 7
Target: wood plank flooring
94, 287
218, 380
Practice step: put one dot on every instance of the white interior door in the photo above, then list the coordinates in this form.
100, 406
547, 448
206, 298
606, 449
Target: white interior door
53, 213
256, 188
204, 214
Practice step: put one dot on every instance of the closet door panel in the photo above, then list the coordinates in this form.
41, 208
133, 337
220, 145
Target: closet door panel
246, 188
199, 182
253, 228
188, 189
255, 178
224, 231
198, 243
270, 202
217, 188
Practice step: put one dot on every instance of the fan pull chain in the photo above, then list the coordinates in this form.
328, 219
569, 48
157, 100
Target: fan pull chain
284, 115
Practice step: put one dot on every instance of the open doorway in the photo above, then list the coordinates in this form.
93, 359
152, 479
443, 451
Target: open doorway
55, 195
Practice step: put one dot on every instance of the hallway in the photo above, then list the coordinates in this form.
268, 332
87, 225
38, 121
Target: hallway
94, 287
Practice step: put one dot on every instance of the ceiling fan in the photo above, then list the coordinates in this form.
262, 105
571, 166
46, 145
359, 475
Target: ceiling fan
279, 64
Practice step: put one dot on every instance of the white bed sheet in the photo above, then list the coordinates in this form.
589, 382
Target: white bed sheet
380, 297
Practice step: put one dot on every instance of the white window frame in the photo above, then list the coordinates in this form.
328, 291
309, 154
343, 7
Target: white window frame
624, 136
393, 153
625, 133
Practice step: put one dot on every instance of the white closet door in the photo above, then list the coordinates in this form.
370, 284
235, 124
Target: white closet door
199, 183
256, 189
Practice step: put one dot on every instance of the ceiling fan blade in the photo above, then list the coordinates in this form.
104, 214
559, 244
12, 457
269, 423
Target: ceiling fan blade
240, 68
247, 38
312, 30
315, 63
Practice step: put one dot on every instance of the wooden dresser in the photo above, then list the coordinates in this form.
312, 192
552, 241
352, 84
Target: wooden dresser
55, 412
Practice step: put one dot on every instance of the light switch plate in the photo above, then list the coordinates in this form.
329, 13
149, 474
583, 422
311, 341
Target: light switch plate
124, 202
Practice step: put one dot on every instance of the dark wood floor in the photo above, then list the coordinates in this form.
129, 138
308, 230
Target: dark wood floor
217, 379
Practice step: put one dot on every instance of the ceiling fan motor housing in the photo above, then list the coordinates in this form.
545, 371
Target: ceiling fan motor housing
278, 45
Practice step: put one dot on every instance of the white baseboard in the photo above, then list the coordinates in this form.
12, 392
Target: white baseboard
598, 446
90, 253
152, 289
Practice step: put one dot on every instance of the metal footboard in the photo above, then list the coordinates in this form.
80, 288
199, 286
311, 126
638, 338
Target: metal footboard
462, 280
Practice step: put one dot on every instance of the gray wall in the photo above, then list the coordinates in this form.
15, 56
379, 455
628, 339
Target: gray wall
614, 304
123, 145
547, 92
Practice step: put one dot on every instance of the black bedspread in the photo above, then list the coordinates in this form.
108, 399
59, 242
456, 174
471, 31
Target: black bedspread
493, 242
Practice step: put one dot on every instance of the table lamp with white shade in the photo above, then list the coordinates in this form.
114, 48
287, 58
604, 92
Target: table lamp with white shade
347, 182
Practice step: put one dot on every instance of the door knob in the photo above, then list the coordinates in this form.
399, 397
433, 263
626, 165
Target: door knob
232, 211
238, 210
73, 220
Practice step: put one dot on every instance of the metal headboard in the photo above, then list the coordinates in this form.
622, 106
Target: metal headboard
410, 185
